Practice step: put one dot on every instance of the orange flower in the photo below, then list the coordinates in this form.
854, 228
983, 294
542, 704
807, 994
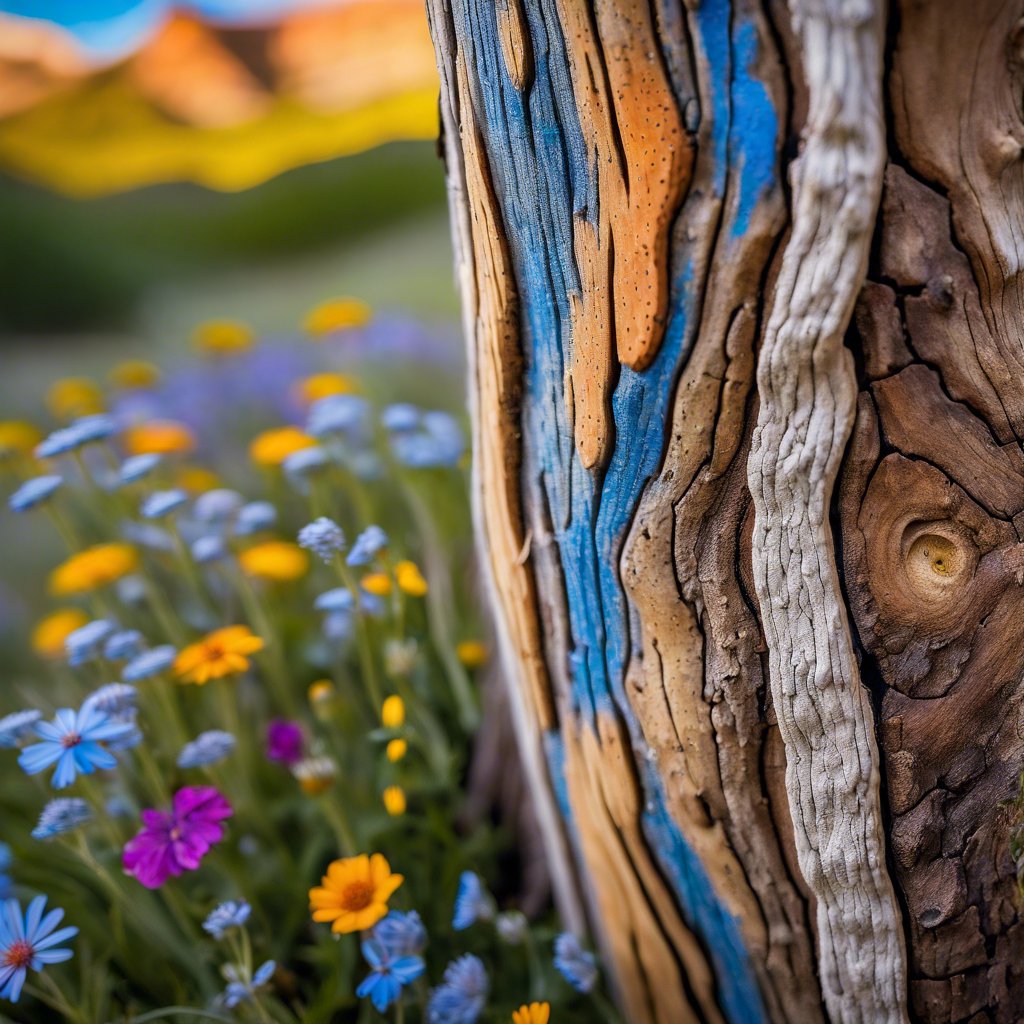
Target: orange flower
278, 561
272, 447
50, 633
222, 337
18, 438
134, 373
535, 1013
158, 437
323, 385
377, 583
472, 653
396, 750
336, 315
93, 568
224, 652
394, 801
74, 396
355, 893
196, 479
410, 579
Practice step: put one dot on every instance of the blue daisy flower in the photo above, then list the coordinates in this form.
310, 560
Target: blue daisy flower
227, 915
115, 700
389, 974
62, 815
124, 644
137, 467
305, 462
401, 934
400, 417
217, 506
207, 748
16, 726
211, 548
149, 663
337, 414
34, 492
162, 503
574, 963
367, 546
239, 988
83, 431
29, 940
323, 537
147, 535
472, 902
72, 742
83, 644
462, 995
255, 516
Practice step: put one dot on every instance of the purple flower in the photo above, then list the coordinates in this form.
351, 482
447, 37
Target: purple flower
175, 841
284, 741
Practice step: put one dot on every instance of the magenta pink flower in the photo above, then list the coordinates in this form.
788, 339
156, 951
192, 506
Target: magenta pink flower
284, 741
174, 841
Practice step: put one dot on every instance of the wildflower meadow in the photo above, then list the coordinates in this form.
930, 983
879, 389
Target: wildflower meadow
238, 739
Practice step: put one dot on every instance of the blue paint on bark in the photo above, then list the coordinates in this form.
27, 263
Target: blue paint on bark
542, 178
754, 130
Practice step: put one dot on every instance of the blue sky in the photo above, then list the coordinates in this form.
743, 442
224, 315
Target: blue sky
108, 29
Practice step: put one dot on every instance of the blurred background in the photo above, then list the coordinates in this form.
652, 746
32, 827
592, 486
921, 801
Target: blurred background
164, 164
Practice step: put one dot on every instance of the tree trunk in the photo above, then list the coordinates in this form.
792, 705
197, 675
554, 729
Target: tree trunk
743, 294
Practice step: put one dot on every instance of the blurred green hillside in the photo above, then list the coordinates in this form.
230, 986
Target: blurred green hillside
156, 260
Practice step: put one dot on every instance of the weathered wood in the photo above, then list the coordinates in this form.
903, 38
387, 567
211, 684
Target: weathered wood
668, 350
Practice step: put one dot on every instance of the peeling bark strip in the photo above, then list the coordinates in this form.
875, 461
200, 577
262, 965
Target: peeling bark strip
807, 390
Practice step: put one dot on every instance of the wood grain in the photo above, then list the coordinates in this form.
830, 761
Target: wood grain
739, 740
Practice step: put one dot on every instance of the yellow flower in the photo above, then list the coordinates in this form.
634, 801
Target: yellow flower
320, 692
158, 437
279, 561
272, 447
535, 1013
135, 373
93, 568
378, 583
224, 652
50, 633
197, 479
336, 315
323, 385
18, 438
394, 801
392, 712
70, 397
396, 750
355, 893
410, 579
222, 337
472, 653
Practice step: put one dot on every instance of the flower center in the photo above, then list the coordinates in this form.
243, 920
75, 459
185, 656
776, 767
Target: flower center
71, 739
357, 895
18, 954
213, 651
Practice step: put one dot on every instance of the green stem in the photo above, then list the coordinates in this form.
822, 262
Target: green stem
363, 644
264, 628
336, 816
54, 997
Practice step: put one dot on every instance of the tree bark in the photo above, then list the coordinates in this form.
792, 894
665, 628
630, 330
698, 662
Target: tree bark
743, 295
